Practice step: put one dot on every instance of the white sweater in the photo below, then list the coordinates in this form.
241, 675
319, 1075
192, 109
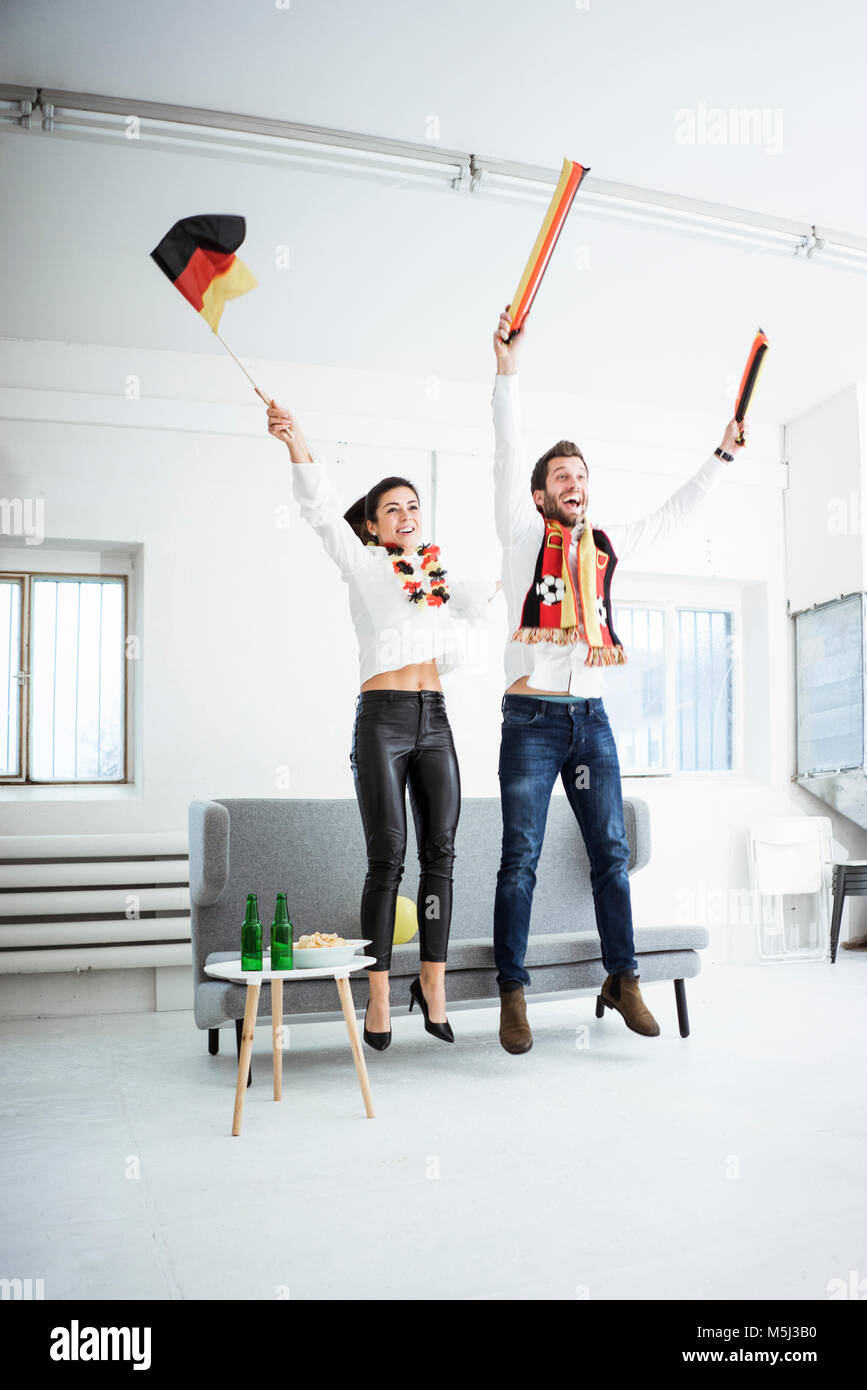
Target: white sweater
391, 631
521, 529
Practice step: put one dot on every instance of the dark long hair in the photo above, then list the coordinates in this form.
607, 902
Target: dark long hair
365, 508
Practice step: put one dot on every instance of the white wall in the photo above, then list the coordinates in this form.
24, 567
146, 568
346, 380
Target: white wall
824, 531
248, 663
826, 548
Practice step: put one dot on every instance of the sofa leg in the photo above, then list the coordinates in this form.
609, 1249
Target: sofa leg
213, 1041
239, 1028
682, 1015
600, 1006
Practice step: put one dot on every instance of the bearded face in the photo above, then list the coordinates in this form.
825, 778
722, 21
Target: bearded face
566, 493
568, 509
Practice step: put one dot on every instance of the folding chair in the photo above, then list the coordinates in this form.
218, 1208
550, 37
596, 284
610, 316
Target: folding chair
790, 857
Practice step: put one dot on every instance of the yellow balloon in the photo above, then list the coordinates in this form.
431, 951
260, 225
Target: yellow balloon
405, 921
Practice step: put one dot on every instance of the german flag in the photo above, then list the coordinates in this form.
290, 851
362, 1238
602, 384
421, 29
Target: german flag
569, 182
198, 256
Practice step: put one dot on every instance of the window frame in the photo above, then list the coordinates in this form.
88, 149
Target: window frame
670, 596
17, 779
26, 578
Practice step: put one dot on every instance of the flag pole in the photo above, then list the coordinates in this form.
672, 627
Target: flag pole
259, 393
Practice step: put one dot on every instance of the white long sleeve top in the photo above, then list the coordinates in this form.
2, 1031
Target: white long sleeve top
392, 632
521, 529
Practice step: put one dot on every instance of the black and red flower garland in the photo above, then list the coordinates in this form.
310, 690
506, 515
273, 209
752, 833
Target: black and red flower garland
424, 582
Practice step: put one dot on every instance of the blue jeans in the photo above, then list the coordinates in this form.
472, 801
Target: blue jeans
541, 740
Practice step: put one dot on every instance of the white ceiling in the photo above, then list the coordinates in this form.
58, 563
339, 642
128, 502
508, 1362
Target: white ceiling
411, 280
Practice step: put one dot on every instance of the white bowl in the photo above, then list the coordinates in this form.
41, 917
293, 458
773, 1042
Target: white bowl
321, 957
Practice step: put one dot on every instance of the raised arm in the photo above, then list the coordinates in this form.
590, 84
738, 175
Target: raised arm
316, 496
514, 509
627, 537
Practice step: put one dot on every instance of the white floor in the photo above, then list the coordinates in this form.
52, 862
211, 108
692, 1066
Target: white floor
600, 1165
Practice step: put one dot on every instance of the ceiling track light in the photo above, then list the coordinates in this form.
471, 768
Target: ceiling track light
809, 245
16, 105
184, 129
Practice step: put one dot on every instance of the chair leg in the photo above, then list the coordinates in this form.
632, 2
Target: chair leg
682, 1015
837, 914
239, 1029
213, 1041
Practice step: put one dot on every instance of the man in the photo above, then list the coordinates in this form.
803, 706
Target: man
557, 582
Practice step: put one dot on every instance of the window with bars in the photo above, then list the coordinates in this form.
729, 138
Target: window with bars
674, 712
63, 678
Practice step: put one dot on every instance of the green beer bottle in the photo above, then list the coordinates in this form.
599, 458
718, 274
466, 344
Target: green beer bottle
251, 936
281, 936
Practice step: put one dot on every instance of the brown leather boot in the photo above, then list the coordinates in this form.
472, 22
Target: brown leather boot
621, 992
515, 1034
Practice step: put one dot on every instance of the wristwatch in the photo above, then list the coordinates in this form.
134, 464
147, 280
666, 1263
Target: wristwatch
721, 454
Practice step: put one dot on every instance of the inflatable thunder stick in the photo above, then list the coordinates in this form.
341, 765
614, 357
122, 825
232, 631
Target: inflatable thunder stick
749, 379
569, 182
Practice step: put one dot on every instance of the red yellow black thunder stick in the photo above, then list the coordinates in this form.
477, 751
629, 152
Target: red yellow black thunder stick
749, 379
198, 256
567, 186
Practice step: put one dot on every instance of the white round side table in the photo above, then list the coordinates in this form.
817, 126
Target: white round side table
254, 979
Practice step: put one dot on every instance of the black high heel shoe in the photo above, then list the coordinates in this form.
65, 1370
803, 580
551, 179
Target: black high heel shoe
378, 1040
443, 1031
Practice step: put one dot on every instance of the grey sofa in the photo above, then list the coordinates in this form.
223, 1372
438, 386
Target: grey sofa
314, 851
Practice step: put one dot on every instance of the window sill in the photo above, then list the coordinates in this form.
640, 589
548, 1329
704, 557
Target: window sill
118, 791
723, 775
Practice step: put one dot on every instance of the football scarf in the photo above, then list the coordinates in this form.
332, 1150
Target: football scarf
553, 613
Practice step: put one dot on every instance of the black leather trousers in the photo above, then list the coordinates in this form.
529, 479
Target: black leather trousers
402, 741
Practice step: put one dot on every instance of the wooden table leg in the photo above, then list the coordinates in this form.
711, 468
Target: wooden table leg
250, 1011
277, 1035
355, 1043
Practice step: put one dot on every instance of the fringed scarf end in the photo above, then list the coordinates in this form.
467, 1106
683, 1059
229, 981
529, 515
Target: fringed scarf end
560, 636
606, 656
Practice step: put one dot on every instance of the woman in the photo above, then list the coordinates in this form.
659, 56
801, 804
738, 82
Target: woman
404, 607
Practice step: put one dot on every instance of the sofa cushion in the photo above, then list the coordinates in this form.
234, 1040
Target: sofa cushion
217, 1001
551, 948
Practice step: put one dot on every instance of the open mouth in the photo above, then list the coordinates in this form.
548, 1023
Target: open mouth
405, 530
572, 500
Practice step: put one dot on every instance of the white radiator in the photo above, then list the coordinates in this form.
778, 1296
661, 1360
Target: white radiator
94, 902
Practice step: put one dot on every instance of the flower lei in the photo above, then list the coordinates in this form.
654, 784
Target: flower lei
436, 592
